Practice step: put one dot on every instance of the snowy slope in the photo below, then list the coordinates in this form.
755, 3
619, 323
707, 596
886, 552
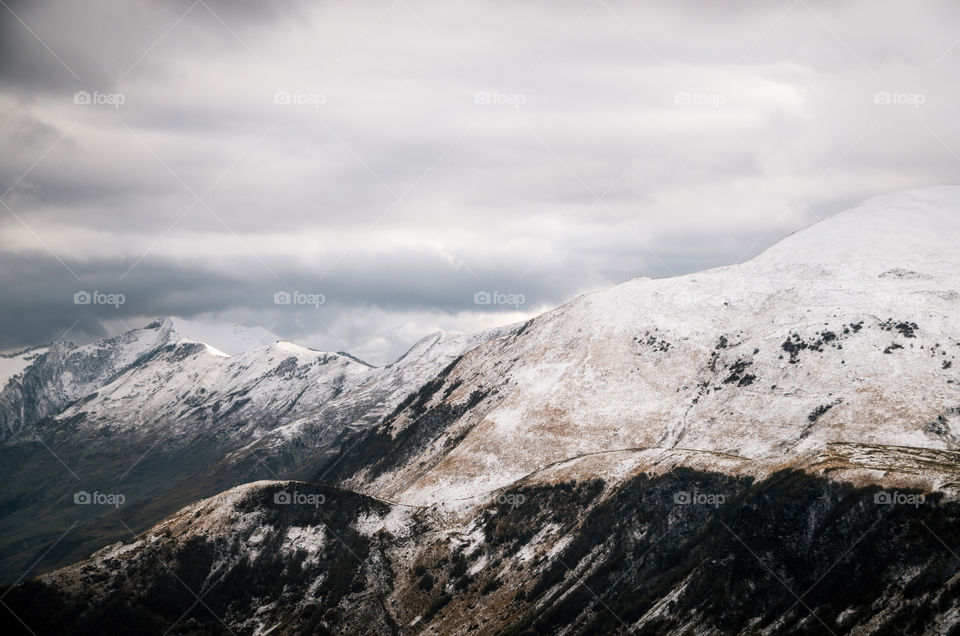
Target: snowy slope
64, 373
844, 333
384, 390
187, 385
42, 381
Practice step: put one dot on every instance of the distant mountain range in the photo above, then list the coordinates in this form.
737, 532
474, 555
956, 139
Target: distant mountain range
166, 418
771, 447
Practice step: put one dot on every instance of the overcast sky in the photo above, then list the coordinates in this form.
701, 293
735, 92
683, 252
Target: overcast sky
399, 157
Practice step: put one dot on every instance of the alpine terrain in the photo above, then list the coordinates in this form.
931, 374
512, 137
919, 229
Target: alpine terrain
766, 448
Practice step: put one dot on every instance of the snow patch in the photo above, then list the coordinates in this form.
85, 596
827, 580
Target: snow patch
309, 539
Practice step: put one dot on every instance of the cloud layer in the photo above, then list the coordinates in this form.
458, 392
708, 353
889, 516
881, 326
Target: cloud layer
399, 157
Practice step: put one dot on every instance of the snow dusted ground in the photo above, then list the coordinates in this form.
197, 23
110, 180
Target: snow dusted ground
846, 332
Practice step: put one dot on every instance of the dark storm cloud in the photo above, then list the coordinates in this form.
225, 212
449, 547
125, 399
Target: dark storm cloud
541, 149
52, 45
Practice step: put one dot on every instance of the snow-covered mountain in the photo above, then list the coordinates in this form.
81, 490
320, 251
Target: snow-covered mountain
339, 420
723, 452
836, 347
41, 381
175, 411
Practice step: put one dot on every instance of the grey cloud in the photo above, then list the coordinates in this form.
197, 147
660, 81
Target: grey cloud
500, 197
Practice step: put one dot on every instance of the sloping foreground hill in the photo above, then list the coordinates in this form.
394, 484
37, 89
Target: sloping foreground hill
680, 551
